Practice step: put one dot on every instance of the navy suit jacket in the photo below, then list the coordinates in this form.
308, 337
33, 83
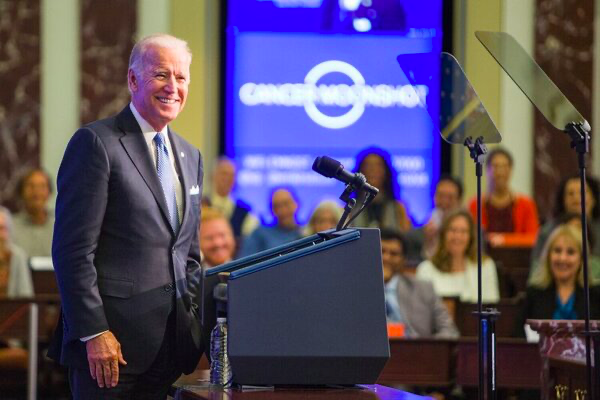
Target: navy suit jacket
119, 265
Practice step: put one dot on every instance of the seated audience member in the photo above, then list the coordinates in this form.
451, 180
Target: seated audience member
574, 220
506, 216
217, 243
15, 276
556, 289
15, 281
33, 226
409, 300
285, 230
568, 201
325, 216
422, 242
236, 211
386, 210
453, 267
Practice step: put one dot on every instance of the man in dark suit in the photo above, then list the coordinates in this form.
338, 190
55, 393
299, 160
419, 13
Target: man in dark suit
125, 246
409, 300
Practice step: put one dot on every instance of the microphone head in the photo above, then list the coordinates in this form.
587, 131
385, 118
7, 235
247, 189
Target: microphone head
327, 166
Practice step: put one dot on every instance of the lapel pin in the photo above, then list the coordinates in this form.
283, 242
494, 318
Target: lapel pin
182, 155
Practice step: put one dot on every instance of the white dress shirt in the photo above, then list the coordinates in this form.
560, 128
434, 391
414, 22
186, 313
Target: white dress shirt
149, 134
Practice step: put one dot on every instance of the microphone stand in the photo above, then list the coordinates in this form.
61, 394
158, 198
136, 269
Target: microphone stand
580, 140
487, 318
362, 198
350, 204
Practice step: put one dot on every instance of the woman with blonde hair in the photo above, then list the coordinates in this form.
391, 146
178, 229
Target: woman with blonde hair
556, 288
453, 268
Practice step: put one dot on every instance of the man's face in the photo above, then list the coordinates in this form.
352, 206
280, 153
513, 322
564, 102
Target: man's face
36, 191
393, 258
224, 177
284, 208
216, 241
446, 196
160, 90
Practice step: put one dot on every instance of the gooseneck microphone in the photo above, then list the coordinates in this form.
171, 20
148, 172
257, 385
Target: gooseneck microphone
331, 168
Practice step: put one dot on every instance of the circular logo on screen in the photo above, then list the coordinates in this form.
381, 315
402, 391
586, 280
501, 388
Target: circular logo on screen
343, 95
352, 98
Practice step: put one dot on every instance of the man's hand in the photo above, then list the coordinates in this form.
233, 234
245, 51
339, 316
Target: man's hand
104, 356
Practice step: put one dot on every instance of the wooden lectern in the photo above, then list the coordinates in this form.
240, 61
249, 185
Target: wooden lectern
562, 347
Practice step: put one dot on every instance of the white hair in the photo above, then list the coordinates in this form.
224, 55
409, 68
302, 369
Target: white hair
138, 53
325, 205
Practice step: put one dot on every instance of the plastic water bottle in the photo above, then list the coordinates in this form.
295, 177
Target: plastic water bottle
220, 369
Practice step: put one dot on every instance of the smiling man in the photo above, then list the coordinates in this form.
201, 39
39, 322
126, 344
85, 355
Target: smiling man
216, 238
125, 244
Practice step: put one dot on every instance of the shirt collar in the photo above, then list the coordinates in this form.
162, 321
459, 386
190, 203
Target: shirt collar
146, 128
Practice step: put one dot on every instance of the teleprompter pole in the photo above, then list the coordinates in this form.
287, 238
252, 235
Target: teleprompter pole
580, 141
487, 318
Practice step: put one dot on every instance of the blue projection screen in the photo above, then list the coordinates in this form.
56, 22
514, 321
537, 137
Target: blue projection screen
293, 96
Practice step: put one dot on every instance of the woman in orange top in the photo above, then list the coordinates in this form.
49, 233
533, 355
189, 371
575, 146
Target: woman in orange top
506, 216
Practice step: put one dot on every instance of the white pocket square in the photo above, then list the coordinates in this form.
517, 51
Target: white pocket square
194, 190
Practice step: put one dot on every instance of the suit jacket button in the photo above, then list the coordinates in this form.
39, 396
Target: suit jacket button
173, 250
168, 287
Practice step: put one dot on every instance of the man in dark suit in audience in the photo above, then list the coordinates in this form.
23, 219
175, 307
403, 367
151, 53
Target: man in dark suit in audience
409, 300
125, 245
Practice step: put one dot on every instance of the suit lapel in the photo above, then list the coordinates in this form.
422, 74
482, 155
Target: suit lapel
177, 146
137, 149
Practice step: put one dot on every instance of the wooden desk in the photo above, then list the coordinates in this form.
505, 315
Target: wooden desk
518, 364
44, 282
196, 386
511, 256
563, 351
14, 313
468, 324
570, 374
512, 281
20, 319
441, 362
425, 362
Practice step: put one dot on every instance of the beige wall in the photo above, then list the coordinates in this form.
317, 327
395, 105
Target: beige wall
195, 21
198, 23
60, 79
508, 107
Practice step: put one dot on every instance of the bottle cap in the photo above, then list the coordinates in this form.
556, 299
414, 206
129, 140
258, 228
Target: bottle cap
221, 320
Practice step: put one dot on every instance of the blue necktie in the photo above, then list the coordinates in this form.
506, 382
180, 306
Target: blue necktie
167, 180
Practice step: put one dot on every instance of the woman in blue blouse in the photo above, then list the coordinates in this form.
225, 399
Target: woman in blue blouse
556, 289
